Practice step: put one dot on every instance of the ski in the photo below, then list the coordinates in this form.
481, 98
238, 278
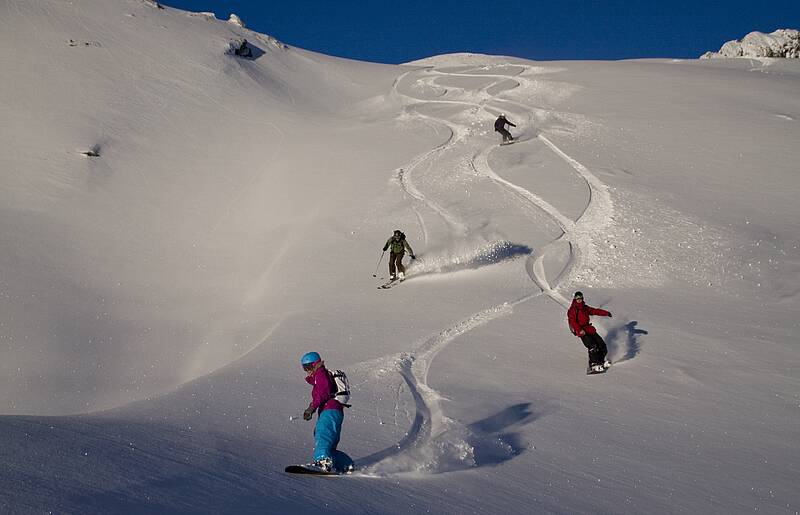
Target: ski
388, 284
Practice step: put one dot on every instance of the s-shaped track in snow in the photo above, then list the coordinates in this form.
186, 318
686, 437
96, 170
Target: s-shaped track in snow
433, 437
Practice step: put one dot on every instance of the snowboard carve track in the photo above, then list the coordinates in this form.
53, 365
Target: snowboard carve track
429, 422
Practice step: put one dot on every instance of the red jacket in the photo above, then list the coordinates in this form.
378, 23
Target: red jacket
578, 317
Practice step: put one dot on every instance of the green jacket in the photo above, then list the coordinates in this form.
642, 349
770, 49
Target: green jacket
398, 246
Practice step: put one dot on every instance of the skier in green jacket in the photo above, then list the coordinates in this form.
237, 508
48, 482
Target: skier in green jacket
398, 245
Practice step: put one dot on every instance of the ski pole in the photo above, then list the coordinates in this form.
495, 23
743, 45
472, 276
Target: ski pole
379, 264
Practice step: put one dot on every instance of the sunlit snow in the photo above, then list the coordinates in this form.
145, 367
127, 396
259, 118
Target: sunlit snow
181, 221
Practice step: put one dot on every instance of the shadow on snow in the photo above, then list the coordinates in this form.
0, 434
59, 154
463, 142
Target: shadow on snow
624, 341
487, 442
485, 255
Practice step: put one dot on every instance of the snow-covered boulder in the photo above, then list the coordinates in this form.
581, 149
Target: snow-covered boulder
781, 43
236, 20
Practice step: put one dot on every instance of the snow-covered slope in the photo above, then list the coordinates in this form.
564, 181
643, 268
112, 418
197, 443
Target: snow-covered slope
781, 43
156, 296
149, 265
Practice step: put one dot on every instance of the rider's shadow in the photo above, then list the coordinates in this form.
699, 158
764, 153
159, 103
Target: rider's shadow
487, 442
495, 439
625, 341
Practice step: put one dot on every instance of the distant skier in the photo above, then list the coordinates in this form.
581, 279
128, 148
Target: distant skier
398, 245
578, 317
500, 126
330, 415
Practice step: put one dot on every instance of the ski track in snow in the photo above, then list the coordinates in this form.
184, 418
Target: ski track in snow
435, 443
403, 174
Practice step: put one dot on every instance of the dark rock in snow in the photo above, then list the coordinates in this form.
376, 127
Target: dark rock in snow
241, 48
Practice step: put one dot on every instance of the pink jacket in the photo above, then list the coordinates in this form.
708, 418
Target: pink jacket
324, 389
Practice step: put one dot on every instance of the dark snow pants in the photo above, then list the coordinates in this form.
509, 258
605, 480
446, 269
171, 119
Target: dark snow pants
396, 263
597, 348
506, 135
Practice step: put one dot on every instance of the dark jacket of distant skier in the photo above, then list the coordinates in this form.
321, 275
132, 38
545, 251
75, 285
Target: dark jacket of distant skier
398, 245
581, 326
500, 126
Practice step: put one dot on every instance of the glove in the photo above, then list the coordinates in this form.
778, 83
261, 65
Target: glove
413, 256
384, 249
609, 315
308, 413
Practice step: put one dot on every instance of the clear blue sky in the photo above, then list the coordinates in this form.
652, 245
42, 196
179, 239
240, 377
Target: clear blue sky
399, 31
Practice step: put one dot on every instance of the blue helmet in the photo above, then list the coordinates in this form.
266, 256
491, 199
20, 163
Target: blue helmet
309, 358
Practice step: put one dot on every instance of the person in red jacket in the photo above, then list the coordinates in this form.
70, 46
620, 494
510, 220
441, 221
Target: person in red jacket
578, 318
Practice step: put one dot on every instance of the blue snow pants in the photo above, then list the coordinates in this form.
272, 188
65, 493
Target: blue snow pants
327, 433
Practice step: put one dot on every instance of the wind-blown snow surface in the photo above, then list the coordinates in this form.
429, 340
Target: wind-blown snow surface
157, 296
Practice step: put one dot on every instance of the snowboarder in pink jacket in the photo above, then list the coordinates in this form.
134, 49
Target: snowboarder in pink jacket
330, 414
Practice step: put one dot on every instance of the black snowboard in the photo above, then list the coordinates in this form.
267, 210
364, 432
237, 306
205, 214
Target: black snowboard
310, 470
